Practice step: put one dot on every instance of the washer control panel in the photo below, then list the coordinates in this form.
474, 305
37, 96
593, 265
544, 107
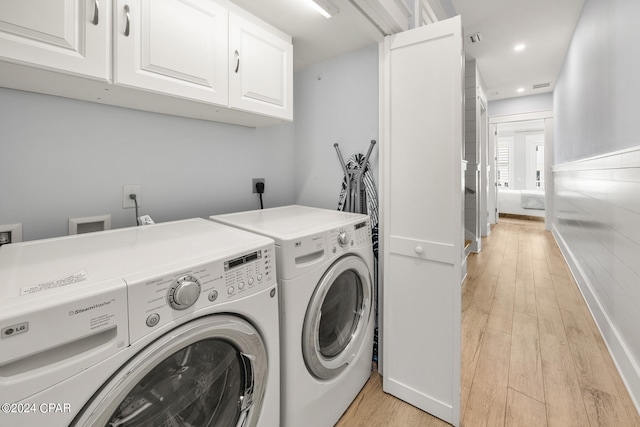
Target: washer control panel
247, 271
348, 236
158, 301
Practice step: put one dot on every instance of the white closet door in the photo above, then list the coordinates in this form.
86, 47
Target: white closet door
423, 231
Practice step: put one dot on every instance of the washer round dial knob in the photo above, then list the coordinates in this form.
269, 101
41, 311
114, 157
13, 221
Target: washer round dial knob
184, 292
343, 238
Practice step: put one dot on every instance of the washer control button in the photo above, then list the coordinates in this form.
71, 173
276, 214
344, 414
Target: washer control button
343, 238
231, 290
259, 277
153, 320
251, 280
241, 285
213, 295
184, 292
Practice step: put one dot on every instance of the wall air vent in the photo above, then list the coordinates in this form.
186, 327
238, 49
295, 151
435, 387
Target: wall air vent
541, 85
475, 38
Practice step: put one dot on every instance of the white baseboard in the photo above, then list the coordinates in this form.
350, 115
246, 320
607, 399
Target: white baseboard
628, 369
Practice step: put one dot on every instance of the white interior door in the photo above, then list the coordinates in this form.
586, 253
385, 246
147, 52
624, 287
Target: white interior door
423, 207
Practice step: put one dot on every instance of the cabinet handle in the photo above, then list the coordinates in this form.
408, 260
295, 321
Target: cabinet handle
237, 61
96, 12
128, 20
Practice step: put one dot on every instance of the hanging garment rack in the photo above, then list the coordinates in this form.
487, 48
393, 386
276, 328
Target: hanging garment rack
359, 195
355, 199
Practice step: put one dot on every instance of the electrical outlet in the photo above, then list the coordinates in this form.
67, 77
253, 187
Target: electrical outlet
11, 233
127, 190
5, 237
254, 181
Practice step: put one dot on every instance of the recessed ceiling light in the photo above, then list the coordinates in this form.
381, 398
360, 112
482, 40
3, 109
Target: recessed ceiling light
519, 47
520, 89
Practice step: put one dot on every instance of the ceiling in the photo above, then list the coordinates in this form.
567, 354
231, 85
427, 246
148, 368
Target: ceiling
544, 26
315, 38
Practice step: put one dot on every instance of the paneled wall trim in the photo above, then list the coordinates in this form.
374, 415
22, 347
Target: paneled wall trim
596, 224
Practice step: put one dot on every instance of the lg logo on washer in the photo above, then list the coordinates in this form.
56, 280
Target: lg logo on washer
13, 330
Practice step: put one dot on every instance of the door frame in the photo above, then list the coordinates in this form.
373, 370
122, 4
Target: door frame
547, 116
485, 169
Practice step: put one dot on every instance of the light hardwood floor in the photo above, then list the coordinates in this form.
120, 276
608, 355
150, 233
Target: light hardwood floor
531, 353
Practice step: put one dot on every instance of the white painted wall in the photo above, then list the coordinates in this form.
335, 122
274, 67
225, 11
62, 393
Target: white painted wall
336, 101
64, 158
522, 104
597, 202
597, 94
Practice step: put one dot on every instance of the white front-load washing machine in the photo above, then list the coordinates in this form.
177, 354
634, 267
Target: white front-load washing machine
324, 269
172, 324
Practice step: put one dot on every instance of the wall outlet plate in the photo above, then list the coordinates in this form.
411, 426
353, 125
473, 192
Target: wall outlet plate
127, 202
254, 181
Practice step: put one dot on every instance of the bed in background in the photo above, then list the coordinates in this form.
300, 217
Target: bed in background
521, 202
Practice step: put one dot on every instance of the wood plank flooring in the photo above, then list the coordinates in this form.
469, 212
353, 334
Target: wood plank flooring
531, 353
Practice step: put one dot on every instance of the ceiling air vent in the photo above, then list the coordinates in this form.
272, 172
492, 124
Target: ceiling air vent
475, 38
541, 85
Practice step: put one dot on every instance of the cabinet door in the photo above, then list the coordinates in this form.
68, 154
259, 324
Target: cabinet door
261, 69
422, 198
173, 47
72, 36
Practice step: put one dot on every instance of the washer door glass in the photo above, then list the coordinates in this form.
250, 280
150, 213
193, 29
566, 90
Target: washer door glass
198, 385
340, 314
337, 317
210, 374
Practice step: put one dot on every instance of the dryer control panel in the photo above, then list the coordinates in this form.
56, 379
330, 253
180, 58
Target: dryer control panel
198, 290
349, 236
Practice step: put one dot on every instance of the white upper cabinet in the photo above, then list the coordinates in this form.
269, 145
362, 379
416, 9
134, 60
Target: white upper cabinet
173, 47
72, 36
206, 59
261, 68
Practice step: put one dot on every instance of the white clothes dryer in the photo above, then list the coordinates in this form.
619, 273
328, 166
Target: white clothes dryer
324, 268
167, 324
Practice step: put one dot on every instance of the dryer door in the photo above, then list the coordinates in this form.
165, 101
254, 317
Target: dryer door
208, 372
335, 324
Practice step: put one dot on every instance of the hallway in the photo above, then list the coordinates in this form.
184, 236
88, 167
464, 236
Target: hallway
531, 353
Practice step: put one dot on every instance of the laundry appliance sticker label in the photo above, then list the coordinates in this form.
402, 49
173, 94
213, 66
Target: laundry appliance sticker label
69, 279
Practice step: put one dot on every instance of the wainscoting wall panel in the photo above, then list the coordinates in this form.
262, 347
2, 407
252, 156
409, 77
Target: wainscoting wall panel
596, 223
